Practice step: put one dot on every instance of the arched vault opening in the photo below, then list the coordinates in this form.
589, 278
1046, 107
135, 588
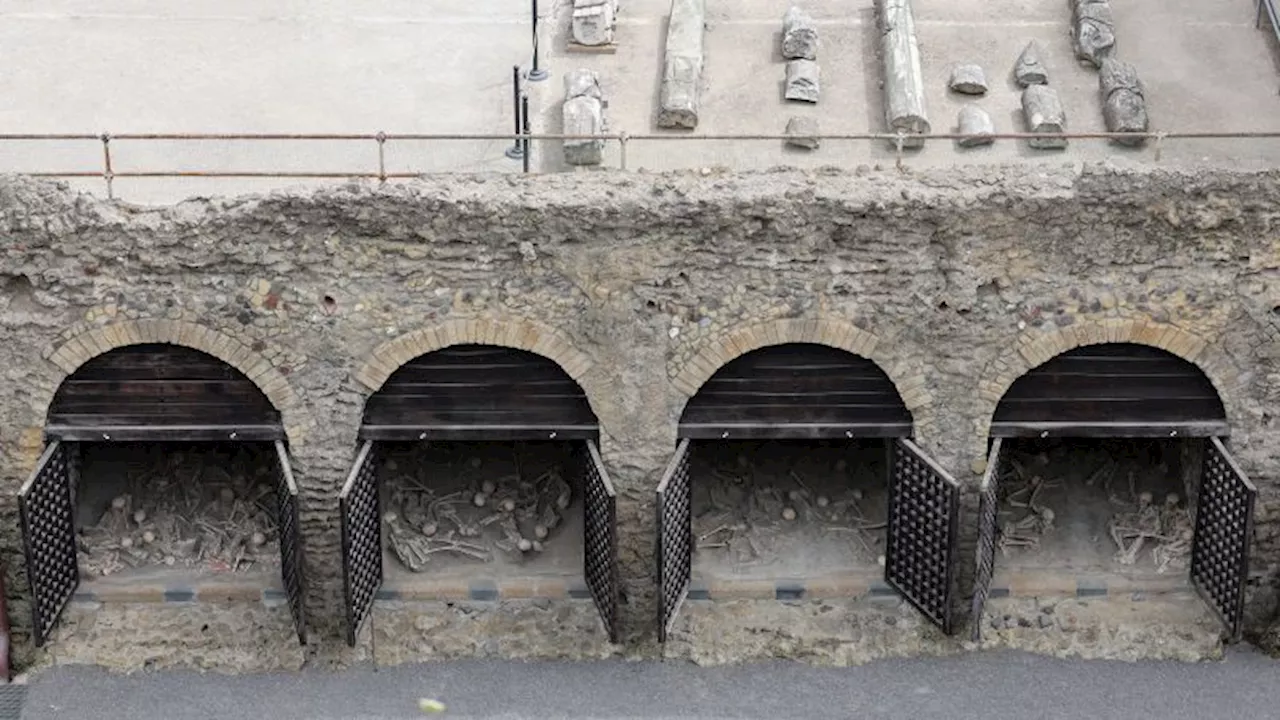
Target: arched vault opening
795, 473
479, 466
1109, 468
163, 464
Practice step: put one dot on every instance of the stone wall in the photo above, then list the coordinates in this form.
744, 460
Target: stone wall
640, 286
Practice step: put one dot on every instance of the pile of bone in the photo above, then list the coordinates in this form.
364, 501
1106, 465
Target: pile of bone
743, 517
1166, 530
514, 515
217, 528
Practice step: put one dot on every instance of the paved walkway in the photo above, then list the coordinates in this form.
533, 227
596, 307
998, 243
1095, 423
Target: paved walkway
993, 685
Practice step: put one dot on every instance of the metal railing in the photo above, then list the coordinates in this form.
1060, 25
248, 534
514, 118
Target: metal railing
1267, 8
896, 144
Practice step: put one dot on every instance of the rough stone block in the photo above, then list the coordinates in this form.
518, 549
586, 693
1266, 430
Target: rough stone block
803, 81
975, 122
594, 22
583, 115
1092, 30
968, 79
1124, 106
682, 67
803, 132
1030, 68
799, 35
1044, 114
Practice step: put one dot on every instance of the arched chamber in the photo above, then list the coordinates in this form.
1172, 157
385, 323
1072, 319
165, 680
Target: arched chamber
165, 476
795, 477
1109, 475
479, 477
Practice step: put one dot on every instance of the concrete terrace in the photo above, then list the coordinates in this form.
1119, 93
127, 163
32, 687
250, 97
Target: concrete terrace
443, 66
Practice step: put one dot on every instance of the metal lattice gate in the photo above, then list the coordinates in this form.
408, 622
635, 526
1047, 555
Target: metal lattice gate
1224, 528
358, 504
48, 535
924, 511
290, 541
600, 539
675, 538
984, 567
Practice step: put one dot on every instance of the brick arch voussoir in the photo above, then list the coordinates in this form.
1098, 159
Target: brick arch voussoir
79, 349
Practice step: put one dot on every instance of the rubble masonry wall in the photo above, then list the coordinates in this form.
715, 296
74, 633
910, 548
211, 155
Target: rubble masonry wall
640, 286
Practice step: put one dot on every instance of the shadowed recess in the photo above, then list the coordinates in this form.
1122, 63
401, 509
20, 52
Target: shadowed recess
797, 390
161, 392
479, 392
1116, 389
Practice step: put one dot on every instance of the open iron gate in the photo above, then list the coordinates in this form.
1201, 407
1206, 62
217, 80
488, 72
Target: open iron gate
48, 534
1223, 531
988, 526
924, 519
291, 568
600, 539
674, 538
361, 518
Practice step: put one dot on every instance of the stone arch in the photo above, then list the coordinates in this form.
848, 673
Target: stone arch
1035, 348
518, 333
84, 346
832, 332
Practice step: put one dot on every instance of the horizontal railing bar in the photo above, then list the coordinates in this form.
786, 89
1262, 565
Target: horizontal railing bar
1171, 135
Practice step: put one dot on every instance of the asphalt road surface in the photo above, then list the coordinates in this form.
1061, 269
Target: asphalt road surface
990, 685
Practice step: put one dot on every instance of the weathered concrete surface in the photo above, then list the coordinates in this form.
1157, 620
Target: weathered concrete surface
239, 637
954, 282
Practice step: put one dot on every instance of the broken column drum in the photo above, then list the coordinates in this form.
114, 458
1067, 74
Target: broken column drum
116, 494
583, 115
1124, 104
796, 459
478, 462
903, 78
1092, 30
1109, 463
680, 97
593, 22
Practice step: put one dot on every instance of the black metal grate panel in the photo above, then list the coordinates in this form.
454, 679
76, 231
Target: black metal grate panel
48, 536
291, 567
984, 567
675, 538
600, 538
924, 509
361, 513
1224, 527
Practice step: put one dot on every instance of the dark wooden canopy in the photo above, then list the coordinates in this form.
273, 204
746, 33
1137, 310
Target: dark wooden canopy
796, 390
1112, 390
158, 392
479, 392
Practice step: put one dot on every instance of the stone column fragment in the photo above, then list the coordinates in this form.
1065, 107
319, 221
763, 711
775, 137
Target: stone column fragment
1092, 30
975, 121
803, 81
1124, 104
594, 22
903, 78
1030, 68
583, 115
968, 79
682, 66
799, 36
1044, 114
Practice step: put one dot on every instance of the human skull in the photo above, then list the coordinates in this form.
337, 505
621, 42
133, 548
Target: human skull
1171, 500
1145, 499
487, 487
788, 513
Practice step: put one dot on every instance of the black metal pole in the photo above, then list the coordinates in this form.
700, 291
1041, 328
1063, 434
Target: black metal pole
528, 147
517, 149
536, 74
